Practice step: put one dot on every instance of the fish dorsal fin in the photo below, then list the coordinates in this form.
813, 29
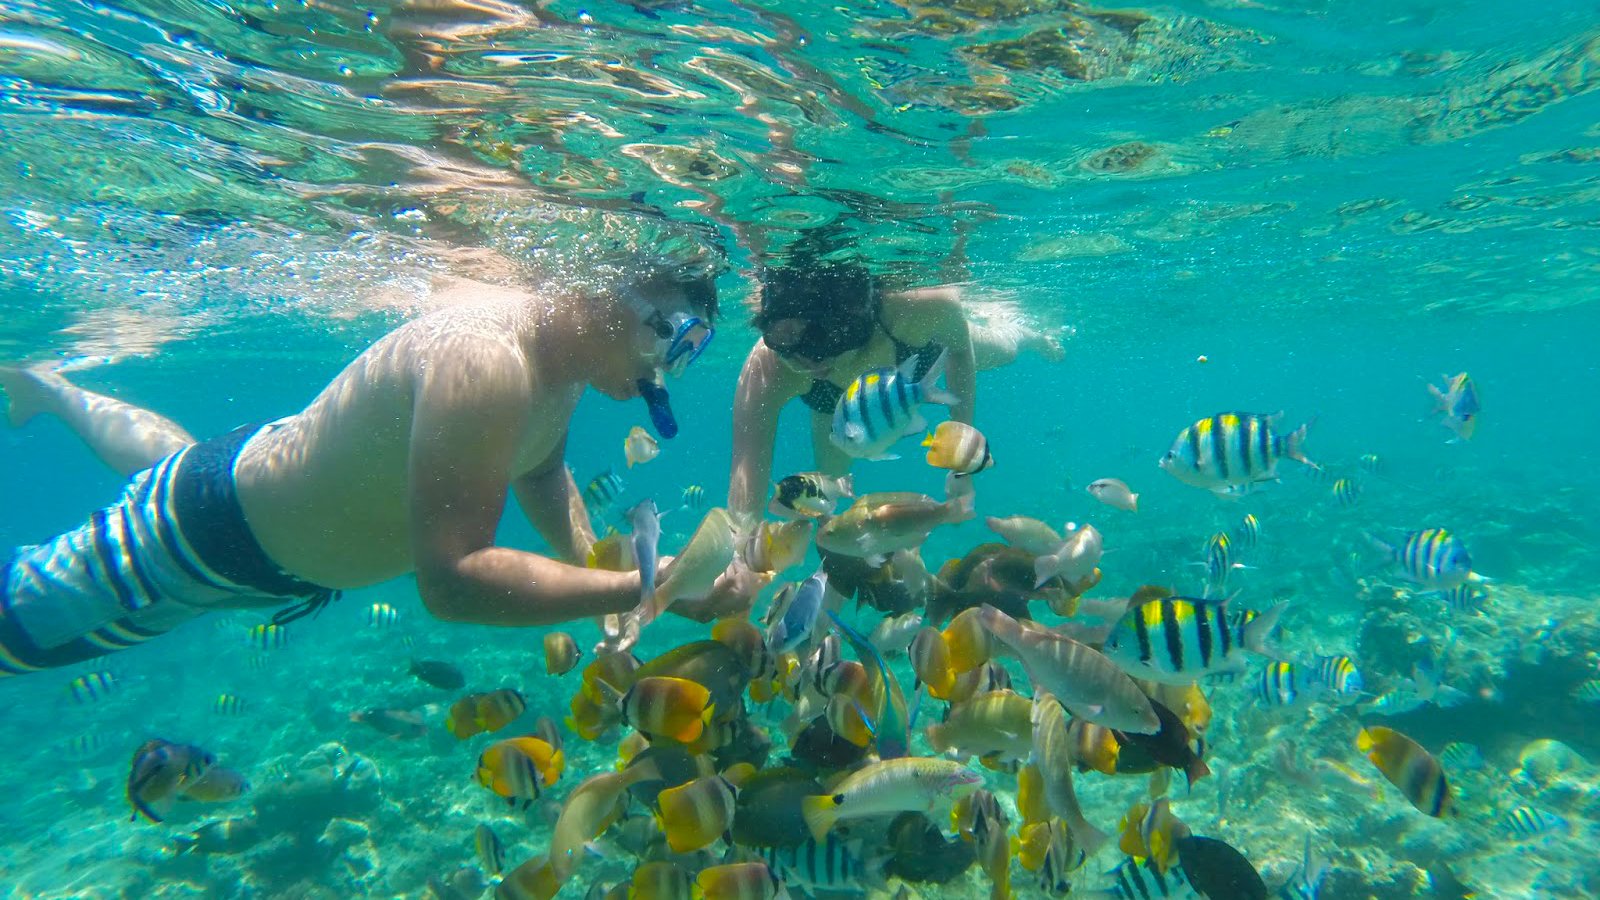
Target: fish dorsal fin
1147, 593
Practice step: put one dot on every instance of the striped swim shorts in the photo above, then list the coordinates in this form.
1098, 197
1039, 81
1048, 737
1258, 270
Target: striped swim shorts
174, 547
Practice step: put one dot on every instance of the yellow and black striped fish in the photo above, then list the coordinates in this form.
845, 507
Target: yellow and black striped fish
477, 713
1231, 450
1408, 767
1347, 492
227, 705
1431, 557
694, 498
519, 769
1177, 640
1279, 685
491, 853
603, 490
269, 637
93, 687
1249, 531
382, 615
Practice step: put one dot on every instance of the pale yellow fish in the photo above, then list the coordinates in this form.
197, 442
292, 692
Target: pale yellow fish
889, 786
1114, 492
959, 448
877, 525
995, 723
777, 546
640, 447
1052, 750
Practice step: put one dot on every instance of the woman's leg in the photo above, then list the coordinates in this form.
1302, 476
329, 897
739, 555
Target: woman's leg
125, 437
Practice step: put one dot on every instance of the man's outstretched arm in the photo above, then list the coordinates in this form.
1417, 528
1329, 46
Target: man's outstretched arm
471, 408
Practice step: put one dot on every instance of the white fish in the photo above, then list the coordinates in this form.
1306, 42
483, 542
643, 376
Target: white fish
1028, 535
1113, 492
640, 447
1074, 559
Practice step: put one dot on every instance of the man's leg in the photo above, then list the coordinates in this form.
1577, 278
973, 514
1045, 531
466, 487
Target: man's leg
125, 437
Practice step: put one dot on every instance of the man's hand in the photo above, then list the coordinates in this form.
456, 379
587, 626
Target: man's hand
732, 595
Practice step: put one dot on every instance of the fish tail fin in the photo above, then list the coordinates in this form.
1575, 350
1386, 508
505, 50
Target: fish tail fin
961, 501
183, 843
1294, 441
927, 441
1196, 771
820, 812
1044, 567
1086, 837
1256, 632
931, 392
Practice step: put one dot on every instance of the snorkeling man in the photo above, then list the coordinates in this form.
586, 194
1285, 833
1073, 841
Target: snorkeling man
401, 464
825, 322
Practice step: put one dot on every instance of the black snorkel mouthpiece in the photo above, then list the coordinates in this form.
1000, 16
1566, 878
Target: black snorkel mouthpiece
655, 397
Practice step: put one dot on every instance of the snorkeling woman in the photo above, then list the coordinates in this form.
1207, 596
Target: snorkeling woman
825, 322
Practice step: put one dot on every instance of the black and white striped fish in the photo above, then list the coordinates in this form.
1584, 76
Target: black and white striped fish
1347, 492
93, 687
1281, 684
1231, 450
1249, 532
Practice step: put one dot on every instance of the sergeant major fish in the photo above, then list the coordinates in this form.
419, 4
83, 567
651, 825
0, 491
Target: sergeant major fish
880, 407
1178, 640
1233, 450
1457, 406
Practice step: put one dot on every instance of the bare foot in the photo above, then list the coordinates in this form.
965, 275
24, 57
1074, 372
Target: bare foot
29, 392
1048, 344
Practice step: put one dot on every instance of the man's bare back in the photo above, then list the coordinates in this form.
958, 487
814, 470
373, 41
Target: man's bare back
327, 491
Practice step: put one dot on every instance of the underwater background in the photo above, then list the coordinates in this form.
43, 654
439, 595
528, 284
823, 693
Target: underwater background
1314, 208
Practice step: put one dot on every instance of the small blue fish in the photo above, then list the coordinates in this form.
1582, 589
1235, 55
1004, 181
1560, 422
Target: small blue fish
646, 539
800, 618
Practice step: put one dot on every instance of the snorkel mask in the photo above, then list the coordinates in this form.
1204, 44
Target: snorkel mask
680, 339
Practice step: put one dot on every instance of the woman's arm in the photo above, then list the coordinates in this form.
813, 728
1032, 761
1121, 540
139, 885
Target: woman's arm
765, 385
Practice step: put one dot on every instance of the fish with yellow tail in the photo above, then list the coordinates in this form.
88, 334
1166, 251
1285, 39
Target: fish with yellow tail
994, 724
533, 880
1230, 452
1052, 755
930, 660
890, 786
1046, 849
880, 407
660, 880
1179, 640
877, 525
1409, 767
958, 447
968, 644
1081, 678
664, 707
519, 769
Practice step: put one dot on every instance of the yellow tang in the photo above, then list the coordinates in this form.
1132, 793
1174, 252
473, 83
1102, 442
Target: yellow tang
970, 645
1409, 767
1032, 805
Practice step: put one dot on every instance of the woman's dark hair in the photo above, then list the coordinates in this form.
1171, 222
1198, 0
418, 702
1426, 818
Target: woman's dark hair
822, 307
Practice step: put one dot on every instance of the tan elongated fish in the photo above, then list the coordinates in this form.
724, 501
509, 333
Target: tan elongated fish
1083, 679
1052, 755
877, 525
890, 786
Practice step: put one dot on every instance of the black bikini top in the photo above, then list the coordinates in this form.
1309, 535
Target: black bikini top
823, 396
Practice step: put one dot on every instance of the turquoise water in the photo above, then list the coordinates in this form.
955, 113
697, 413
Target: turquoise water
1334, 204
